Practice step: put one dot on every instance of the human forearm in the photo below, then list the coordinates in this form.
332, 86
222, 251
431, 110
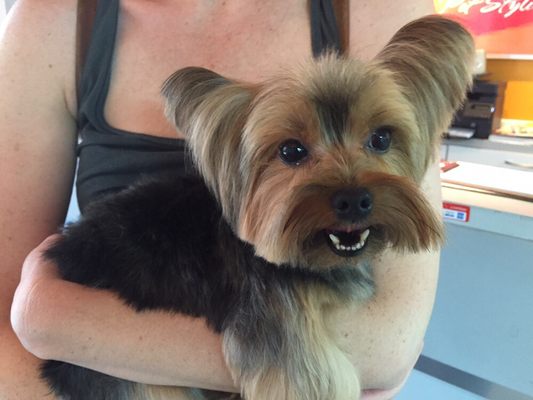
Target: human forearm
384, 337
94, 329
391, 326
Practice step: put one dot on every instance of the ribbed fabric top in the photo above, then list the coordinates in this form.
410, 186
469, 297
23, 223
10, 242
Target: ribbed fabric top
111, 159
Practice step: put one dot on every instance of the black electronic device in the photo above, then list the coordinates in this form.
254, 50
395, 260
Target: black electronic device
482, 110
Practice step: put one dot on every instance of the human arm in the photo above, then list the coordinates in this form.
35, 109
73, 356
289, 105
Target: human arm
37, 139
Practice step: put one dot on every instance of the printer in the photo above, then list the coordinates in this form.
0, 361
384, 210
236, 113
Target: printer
481, 112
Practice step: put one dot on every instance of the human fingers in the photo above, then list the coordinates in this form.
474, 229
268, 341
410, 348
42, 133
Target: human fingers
36, 266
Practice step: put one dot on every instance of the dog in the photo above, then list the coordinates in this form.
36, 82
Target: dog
303, 180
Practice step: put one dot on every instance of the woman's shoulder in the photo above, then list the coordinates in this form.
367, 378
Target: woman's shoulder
54, 18
39, 38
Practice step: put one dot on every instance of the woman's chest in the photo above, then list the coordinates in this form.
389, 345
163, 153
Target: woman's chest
250, 46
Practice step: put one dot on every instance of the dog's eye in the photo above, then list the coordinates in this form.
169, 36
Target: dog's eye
380, 140
292, 152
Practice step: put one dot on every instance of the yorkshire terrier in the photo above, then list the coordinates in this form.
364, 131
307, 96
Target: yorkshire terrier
303, 180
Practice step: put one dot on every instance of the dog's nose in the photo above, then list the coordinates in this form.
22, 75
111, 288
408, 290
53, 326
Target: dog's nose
352, 205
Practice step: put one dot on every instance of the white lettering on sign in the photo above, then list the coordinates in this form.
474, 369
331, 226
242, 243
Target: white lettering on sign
506, 8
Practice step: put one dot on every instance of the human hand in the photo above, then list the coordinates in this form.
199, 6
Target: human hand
36, 267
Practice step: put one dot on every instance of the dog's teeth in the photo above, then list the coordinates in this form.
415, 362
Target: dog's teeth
362, 239
357, 246
334, 239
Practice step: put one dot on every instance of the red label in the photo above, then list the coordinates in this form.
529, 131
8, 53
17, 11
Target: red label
455, 212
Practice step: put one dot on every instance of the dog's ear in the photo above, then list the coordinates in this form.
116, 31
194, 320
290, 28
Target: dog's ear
432, 60
210, 111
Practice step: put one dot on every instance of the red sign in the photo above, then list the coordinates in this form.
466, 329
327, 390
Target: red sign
499, 27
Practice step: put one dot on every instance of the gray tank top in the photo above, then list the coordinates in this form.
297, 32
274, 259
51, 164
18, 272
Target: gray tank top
111, 159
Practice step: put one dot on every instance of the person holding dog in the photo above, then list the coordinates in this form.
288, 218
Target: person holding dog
54, 319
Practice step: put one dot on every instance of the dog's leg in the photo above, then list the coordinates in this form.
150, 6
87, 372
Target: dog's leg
284, 350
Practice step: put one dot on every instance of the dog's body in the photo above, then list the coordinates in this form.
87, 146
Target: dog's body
304, 181
131, 244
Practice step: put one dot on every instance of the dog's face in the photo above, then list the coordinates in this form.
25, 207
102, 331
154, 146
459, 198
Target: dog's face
321, 168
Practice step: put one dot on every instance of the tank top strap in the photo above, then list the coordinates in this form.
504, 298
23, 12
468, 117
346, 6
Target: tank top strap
96, 73
325, 30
